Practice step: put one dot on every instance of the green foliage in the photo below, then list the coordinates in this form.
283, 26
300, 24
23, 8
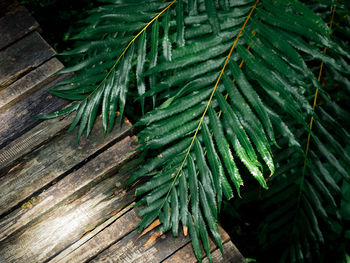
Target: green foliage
261, 106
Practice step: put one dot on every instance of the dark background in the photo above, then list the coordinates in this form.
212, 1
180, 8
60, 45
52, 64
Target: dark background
58, 17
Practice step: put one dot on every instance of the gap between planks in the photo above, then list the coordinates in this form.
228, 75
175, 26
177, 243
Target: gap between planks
78, 252
15, 25
31, 140
185, 254
12, 99
30, 83
75, 216
52, 162
22, 57
80, 180
118, 243
19, 118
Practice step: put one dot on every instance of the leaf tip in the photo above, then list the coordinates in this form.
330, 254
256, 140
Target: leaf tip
185, 230
152, 239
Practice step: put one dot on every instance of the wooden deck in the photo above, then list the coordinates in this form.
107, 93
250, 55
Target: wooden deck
59, 201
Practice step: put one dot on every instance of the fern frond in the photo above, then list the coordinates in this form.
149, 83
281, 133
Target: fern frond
254, 73
111, 87
278, 77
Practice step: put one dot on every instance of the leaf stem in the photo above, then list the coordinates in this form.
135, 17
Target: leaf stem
129, 44
312, 117
208, 103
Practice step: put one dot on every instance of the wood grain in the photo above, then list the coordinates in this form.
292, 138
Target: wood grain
15, 25
88, 248
80, 180
232, 255
28, 84
50, 162
67, 222
128, 250
19, 119
63, 202
186, 253
34, 138
23, 56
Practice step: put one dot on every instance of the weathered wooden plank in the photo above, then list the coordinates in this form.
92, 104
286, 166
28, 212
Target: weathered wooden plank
69, 221
34, 138
50, 162
128, 250
186, 253
88, 248
98, 240
28, 84
7, 6
80, 180
15, 25
232, 255
23, 56
20, 117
